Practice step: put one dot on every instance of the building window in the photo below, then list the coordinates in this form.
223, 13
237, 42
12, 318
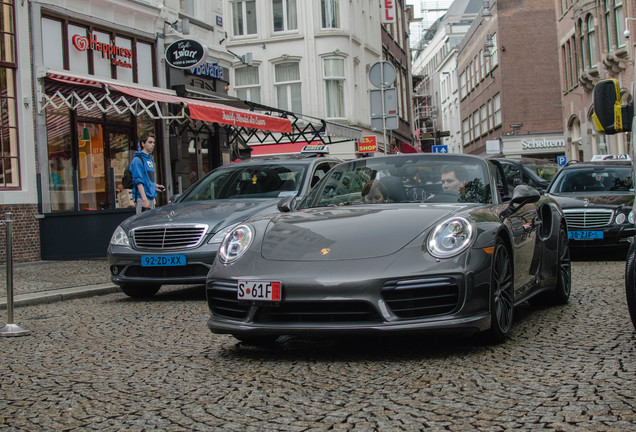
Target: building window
334, 87
330, 10
494, 56
608, 24
287, 76
476, 125
484, 119
187, 7
576, 61
496, 107
591, 41
285, 15
465, 132
582, 41
570, 81
246, 84
462, 85
619, 19
244, 17
9, 155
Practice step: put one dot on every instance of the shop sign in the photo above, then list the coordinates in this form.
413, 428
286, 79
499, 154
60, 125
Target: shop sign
388, 11
109, 50
212, 70
186, 54
367, 144
533, 143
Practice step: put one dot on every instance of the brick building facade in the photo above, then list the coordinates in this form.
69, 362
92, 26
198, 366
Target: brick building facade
509, 80
592, 46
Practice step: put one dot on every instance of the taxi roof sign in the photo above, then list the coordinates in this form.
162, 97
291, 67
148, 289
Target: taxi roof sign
615, 157
315, 148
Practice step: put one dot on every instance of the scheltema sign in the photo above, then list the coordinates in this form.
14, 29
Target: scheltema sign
186, 54
531, 144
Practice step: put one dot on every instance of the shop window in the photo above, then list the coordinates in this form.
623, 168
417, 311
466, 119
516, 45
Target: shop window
52, 45
9, 155
9, 158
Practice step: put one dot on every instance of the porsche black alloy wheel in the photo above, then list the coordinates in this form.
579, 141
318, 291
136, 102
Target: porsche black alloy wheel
501, 294
630, 282
561, 293
140, 291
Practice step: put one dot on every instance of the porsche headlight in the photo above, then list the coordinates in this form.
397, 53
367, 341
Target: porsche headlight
235, 243
620, 218
630, 217
120, 238
220, 235
450, 238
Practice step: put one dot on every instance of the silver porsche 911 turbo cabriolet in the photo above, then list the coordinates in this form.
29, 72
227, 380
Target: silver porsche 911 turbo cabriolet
400, 243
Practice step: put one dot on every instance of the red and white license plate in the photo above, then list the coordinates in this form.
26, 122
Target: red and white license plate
250, 290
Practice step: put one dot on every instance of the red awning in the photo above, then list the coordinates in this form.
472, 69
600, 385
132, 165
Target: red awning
224, 114
200, 110
408, 148
274, 149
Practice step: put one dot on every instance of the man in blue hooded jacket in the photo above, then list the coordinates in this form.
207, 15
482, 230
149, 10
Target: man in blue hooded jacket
142, 169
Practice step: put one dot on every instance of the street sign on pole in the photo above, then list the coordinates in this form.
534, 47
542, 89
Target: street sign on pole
383, 101
440, 148
382, 74
562, 160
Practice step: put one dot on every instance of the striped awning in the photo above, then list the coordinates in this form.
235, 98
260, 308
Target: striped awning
147, 100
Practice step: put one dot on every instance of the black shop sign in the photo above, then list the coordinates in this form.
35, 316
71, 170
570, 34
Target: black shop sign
186, 54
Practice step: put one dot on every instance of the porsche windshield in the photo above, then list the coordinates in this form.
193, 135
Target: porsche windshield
248, 181
403, 178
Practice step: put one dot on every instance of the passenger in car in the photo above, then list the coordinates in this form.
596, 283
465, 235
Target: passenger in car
374, 192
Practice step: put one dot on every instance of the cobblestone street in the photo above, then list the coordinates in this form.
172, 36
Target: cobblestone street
115, 363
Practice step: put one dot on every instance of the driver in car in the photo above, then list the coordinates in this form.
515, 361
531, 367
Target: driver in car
453, 178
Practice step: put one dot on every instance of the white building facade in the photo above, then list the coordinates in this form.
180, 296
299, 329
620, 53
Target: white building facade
309, 57
435, 66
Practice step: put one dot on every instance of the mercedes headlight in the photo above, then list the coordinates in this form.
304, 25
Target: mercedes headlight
620, 218
218, 237
235, 243
120, 238
630, 217
450, 238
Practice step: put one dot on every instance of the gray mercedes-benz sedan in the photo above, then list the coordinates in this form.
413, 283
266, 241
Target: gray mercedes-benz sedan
177, 243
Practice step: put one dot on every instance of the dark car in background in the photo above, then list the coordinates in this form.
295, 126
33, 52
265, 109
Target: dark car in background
177, 243
597, 200
537, 173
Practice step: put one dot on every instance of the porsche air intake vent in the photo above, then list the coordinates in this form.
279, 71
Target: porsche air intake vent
421, 298
169, 236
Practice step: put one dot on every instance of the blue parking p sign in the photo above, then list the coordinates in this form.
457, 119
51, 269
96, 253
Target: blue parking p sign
440, 149
561, 160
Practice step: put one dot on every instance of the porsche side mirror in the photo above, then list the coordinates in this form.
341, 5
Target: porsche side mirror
522, 195
287, 204
610, 117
